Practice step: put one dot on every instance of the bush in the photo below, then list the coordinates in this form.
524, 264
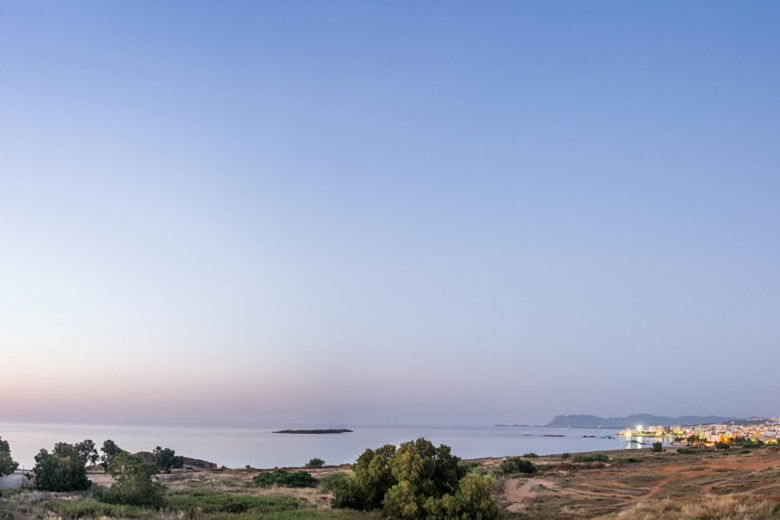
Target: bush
657, 447
517, 465
315, 463
134, 484
166, 459
414, 482
531, 456
722, 446
7, 464
110, 450
62, 470
688, 451
346, 492
197, 504
91, 508
589, 457
328, 482
86, 449
565, 456
280, 477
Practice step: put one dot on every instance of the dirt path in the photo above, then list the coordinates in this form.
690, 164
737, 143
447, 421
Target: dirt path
516, 491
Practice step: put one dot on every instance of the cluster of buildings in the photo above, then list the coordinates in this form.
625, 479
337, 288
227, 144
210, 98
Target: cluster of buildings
765, 430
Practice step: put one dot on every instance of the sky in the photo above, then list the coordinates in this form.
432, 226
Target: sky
388, 212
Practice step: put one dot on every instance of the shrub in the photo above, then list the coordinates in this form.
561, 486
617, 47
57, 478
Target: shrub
166, 459
62, 470
86, 449
328, 482
134, 484
315, 463
589, 457
657, 447
91, 508
284, 478
517, 465
346, 492
531, 456
414, 482
565, 456
7, 464
201, 504
722, 446
110, 450
373, 476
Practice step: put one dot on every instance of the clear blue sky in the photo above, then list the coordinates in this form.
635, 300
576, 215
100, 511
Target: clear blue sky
389, 212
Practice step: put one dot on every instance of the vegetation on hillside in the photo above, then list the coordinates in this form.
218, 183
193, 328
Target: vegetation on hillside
280, 477
133, 484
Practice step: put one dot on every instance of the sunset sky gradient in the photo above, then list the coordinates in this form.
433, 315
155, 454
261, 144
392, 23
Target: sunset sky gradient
388, 212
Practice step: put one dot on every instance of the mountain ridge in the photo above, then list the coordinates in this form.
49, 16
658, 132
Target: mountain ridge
593, 421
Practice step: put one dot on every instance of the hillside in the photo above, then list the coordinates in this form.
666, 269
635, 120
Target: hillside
593, 421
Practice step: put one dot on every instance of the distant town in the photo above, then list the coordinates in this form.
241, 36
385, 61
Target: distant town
765, 431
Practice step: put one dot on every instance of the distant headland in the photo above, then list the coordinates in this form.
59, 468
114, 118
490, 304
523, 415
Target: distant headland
592, 421
316, 432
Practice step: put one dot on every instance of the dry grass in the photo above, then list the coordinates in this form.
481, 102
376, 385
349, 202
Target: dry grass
700, 486
701, 508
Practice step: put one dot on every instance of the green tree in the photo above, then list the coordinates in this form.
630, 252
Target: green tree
657, 447
62, 470
403, 502
414, 482
110, 450
7, 464
315, 463
431, 471
87, 450
517, 465
473, 499
133, 484
166, 459
374, 475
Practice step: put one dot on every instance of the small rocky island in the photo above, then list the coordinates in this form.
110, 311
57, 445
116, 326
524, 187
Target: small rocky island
316, 432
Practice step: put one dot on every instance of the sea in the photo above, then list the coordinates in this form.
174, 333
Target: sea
238, 446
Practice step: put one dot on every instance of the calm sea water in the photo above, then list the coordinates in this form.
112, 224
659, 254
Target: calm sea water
259, 447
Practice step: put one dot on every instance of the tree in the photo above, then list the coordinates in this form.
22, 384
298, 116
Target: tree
417, 481
657, 447
7, 464
134, 484
374, 476
110, 450
166, 459
315, 463
517, 465
62, 470
87, 450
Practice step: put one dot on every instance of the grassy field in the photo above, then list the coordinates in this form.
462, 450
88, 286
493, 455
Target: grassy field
193, 505
640, 485
630, 485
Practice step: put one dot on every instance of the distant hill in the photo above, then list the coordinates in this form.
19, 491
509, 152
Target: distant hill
592, 421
